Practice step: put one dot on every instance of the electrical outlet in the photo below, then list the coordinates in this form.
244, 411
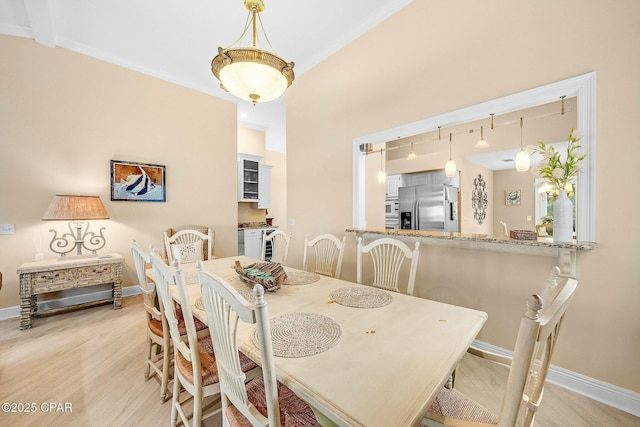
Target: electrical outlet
7, 229
528, 217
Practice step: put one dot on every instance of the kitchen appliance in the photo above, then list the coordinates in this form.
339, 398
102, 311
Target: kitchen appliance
392, 213
429, 207
250, 242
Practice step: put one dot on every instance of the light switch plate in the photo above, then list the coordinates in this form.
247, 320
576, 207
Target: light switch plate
7, 229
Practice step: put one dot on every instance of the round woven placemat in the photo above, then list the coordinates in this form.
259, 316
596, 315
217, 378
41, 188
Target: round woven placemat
191, 278
300, 278
301, 334
361, 297
246, 293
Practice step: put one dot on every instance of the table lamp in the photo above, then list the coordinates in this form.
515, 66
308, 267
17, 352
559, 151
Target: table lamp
77, 210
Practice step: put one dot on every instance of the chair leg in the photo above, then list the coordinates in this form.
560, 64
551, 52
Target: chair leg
197, 408
147, 360
165, 374
174, 400
451, 381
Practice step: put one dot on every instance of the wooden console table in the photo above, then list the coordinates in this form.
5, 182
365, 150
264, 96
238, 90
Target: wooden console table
52, 275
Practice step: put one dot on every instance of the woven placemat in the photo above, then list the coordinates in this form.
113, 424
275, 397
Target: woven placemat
301, 334
300, 278
361, 297
246, 293
191, 278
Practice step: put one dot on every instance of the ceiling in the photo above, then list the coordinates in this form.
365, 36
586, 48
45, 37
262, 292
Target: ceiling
176, 41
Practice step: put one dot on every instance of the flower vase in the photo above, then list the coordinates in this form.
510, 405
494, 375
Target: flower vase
563, 218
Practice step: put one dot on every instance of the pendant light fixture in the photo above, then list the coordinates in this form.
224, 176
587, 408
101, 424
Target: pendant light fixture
450, 167
411, 155
250, 73
481, 143
522, 158
382, 176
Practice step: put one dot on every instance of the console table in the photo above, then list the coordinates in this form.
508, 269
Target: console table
41, 277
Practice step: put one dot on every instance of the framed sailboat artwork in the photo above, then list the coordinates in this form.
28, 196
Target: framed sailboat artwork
137, 182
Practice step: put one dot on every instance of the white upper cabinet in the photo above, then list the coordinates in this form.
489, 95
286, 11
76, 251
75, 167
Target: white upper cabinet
264, 187
254, 181
248, 177
393, 183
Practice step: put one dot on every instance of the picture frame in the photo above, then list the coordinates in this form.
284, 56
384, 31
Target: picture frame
137, 182
513, 197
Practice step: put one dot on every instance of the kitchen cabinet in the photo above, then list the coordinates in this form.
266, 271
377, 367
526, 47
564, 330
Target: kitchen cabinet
393, 183
254, 181
248, 177
264, 187
250, 242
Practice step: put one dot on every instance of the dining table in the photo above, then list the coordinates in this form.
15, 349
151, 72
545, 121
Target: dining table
360, 356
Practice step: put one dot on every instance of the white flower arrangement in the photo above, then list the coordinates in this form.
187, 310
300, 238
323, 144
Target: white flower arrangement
557, 173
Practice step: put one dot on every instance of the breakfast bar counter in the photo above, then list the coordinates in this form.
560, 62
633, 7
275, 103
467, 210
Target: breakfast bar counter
566, 252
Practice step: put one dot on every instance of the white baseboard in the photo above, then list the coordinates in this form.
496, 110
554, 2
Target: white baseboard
6, 313
617, 397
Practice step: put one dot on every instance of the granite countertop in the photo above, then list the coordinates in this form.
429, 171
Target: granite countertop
254, 225
479, 238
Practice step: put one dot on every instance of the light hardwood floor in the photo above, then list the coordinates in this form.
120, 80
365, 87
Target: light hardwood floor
93, 361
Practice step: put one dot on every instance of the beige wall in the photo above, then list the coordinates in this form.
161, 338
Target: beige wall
64, 116
434, 57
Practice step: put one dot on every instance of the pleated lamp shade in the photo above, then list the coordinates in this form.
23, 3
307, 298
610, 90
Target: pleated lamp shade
75, 208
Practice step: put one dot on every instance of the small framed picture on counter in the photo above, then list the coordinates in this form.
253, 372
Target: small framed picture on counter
513, 197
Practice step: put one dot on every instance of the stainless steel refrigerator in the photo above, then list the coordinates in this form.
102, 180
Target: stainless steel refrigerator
429, 207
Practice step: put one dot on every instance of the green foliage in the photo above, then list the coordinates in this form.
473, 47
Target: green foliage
553, 170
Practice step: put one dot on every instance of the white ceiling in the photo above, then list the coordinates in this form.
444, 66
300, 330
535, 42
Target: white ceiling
176, 40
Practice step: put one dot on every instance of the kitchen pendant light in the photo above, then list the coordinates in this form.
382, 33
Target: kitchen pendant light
481, 143
250, 73
523, 160
450, 167
382, 176
411, 155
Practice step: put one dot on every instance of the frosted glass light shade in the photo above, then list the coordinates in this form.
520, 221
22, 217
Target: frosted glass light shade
252, 74
481, 144
523, 161
411, 156
382, 177
244, 79
450, 168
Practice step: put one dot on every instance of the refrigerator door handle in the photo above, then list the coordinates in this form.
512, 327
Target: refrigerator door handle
416, 212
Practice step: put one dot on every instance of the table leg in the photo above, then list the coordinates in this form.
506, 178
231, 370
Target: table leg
322, 419
26, 307
117, 295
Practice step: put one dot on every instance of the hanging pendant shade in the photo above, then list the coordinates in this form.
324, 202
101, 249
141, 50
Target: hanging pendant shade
250, 73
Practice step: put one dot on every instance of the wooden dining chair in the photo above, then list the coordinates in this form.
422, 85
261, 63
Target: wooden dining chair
537, 337
262, 401
388, 256
158, 344
195, 370
279, 241
328, 253
189, 244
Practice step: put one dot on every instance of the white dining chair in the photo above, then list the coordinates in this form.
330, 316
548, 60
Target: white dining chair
328, 252
263, 401
158, 344
388, 256
195, 374
279, 241
189, 244
536, 340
